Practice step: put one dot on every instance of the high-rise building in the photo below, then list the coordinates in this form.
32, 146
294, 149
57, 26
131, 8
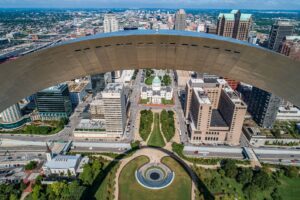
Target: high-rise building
78, 90
98, 82
211, 86
291, 47
263, 107
215, 111
182, 77
54, 102
97, 108
279, 30
12, 114
110, 23
114, 105
180, 20
234, 24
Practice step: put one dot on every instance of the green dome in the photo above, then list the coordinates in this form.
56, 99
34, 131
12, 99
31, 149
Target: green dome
156, 80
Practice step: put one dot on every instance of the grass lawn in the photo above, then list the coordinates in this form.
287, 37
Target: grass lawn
144, 101
106, 187
130, 189
167, 102
156, 138
149, 80
289, 188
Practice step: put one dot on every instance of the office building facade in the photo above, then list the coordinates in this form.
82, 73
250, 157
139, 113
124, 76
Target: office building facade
114, 105
180, 20
78, 91
291, 47
234, 24
98, 82
263, 106
279, 30
214, 111
11, 114
54, 102
110, 23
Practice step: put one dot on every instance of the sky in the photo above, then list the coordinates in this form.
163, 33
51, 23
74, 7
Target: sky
217, 4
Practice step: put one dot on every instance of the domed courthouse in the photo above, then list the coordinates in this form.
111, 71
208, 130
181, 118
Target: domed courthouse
156, 93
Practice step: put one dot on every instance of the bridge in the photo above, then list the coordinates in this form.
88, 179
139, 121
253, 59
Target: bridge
163, 49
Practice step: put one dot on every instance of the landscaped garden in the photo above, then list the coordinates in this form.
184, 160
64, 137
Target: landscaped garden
285, 129
232, 182
41, 127
130, 189
167, 124
146, 121
156, 139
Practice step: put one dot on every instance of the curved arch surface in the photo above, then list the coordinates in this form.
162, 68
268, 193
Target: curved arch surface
150, 49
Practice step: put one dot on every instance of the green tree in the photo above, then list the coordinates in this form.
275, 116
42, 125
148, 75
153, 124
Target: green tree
31, 165
96, 167
87, 175
58, 188
251, 191
230, 168
36, 192
275, 194
13, 197
291, 171
75, 190
262, 180
244, 175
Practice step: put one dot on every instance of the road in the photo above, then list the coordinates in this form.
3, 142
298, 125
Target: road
179, 113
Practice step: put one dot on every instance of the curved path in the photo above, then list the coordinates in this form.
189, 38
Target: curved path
155, 155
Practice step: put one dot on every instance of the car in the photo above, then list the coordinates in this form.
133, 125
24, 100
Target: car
196, 152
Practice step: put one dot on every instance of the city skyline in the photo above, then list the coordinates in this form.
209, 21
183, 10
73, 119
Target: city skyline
203, 4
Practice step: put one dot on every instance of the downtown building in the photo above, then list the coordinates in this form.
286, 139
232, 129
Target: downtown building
98, 82
114, 105
180, 20
279, 30
263, 106
12, 118
214, 111
291, 47
107, 115
78, 91
54, 103
235, 24
110, 23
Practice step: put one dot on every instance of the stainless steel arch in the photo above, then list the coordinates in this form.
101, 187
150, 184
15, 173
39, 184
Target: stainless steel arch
150, 49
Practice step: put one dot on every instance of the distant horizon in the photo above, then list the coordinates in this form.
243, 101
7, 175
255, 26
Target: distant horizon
163, 4
135, 8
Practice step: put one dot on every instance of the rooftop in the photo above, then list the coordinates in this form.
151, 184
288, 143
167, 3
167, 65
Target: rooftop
294, 38
201, 96
284, 23
113, 88
216, 119
227, 16
63, 162
91, 124
245, 17
77, 87
56, 88
156, 80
